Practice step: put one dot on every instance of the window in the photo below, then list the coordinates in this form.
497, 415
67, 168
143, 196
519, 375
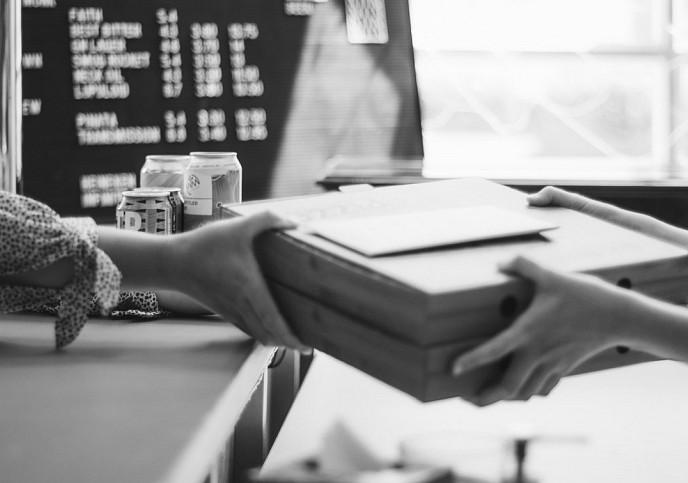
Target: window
553, 89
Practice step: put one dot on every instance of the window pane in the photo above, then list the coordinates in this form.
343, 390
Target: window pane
679, 135
680, 27
493, 112
540, 25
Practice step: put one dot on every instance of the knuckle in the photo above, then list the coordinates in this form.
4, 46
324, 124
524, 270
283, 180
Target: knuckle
518, 260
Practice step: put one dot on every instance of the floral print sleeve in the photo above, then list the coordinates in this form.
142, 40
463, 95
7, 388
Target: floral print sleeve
34, 237
131, 306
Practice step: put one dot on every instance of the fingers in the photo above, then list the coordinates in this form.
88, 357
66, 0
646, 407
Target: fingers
527, 374
245, 296
267, 324
263, 309
543, 197
234, 286
523, 378
513, 387
549, 384
257, 315
540, 382
519, 384
508, 387
259, 301
509, 339
486, 353
551, 196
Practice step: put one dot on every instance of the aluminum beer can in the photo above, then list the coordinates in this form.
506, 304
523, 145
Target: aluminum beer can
176, 200
163, 170
211, 179
146, 211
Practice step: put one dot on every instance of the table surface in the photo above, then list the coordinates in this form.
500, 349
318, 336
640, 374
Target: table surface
620, 425
148, 402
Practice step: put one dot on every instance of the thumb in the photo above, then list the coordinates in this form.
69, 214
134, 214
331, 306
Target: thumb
266, 220
526, 268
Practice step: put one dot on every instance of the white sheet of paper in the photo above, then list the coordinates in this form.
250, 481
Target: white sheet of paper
396, 233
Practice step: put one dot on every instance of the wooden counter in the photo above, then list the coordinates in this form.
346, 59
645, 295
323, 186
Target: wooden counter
126, 402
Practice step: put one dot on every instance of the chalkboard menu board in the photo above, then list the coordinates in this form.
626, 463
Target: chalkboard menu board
287, 84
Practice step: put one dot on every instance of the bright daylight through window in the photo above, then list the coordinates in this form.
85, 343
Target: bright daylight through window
553, 89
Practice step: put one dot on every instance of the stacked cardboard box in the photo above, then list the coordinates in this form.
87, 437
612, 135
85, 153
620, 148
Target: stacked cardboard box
403, 317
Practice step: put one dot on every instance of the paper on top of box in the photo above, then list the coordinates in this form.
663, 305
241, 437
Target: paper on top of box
403, 232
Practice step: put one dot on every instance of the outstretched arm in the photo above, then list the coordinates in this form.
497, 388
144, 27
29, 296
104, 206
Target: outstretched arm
551, 196
214, 266
572, 318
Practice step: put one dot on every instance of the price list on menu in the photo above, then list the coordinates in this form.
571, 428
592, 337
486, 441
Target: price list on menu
108, 82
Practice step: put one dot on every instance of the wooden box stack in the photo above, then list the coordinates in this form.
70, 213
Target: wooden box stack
404, 317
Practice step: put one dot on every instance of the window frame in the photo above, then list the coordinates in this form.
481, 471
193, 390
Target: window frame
669, 53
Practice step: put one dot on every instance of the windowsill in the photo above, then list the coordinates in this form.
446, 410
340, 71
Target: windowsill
383, 171
560, 171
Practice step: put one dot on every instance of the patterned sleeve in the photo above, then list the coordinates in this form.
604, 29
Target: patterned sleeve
34, 237
136, 306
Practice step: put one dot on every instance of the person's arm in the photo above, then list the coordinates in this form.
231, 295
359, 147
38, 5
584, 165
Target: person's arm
55, 275
551, 196
45, 259
214, 266
572, 318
